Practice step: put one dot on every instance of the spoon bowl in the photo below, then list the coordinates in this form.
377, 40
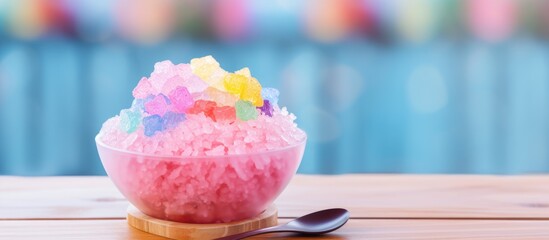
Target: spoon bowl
320, 222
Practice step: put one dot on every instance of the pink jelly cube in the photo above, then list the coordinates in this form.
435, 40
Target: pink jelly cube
158, 105
181, 99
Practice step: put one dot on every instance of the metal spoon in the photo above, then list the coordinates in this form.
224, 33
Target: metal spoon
314, 223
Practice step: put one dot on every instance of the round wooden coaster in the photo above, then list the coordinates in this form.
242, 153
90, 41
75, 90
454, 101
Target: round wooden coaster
176, 230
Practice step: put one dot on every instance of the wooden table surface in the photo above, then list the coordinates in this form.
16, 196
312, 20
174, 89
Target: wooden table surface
381, 206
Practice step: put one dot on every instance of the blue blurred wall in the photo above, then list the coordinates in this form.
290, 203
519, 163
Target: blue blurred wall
457, 106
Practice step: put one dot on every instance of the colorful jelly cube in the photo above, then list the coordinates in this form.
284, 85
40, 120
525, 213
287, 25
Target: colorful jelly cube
181, 99
203, 106
158, 105
235, 83
245, 72
224, 113
267, 108
246, 88
172, 119
153, 124
245, 110
253, 92
129, 120
208, 69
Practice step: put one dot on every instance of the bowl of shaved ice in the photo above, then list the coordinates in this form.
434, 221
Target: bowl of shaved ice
201, 145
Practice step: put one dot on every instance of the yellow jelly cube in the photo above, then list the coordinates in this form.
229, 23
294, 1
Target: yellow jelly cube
208, 69
235, 83
204, 67
252, 92
245, 72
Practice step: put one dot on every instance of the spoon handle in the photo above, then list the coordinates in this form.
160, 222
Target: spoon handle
254, 232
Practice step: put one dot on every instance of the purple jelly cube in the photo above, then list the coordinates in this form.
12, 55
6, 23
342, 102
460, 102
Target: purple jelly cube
267, 108
153, 124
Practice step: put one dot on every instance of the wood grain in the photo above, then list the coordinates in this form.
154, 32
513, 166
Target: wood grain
366, 196
354, 229
184, 231
60, 198
420, 196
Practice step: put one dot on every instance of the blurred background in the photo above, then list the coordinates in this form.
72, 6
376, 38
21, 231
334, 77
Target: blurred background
384, 86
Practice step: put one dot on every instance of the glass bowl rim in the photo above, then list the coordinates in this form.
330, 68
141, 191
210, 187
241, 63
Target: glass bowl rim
98, 142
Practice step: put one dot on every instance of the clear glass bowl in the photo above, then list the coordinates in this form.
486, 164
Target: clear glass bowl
212, 189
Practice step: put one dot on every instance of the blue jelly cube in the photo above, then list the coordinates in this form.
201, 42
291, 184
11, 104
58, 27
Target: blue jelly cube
129, 120
172, 119
153, 124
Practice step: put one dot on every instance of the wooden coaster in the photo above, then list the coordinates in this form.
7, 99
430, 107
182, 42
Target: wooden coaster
176, 230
